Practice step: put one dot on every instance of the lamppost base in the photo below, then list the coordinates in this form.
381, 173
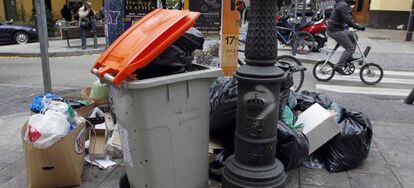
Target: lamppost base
237, 175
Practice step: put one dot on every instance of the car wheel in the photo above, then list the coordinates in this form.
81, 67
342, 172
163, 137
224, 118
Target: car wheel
21, 37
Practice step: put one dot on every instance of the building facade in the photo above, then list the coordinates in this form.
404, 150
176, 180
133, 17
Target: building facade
391, 14
22, 9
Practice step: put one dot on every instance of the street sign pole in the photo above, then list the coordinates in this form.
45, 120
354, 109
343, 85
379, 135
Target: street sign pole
43, 40
410, 28
295, 41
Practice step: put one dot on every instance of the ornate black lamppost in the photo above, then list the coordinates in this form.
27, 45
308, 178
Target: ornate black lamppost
254, 163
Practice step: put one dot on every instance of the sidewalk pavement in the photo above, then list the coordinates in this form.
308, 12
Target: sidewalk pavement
57, 48
390, 163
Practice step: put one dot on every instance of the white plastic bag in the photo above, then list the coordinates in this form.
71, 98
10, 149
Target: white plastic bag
61, 107
43, 130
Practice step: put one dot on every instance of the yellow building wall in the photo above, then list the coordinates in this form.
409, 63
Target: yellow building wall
391, 5
27, 7
2, 13
56, 7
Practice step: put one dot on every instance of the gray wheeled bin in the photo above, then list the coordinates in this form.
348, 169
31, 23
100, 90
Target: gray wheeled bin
164, 126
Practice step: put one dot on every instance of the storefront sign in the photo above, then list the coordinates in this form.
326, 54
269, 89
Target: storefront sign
209, 21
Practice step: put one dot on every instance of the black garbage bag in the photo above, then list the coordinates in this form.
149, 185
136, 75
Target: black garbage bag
349, 149
306, 99
223, 111
191, 40
176, 59
292, 147
173, 60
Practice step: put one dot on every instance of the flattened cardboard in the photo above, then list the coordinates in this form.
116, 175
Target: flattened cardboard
98, 143
60, 165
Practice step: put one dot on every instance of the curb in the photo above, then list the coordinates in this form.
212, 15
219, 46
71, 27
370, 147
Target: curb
51, 54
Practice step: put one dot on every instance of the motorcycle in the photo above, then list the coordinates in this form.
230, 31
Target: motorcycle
317, 27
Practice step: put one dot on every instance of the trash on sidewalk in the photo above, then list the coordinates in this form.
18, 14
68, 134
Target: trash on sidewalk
350, 148
292, 147
59, 165
43, 130
99, 91
306, 99
37, 102
322, 119
319, 126
103, 163
97, 142
176, 59
81, 105
104, 140
86, 93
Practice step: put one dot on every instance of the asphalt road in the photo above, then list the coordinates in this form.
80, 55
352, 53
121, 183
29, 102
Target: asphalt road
21, 79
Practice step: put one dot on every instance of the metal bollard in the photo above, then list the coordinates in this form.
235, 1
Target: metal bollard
254, 163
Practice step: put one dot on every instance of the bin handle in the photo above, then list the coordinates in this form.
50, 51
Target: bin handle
107, 77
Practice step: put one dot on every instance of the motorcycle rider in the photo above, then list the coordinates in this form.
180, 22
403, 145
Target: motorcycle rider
336, 29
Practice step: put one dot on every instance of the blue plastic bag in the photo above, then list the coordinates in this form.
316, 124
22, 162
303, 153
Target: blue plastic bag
37, 104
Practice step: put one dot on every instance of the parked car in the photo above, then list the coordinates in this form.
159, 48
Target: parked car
10, 33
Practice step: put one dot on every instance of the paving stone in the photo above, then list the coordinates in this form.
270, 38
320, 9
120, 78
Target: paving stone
312, 186
17, 181
113, 179
393, 125
95, 175
375, 164
406, 181
323, 178
396, 151
12, 170
87, 185
404, 172
373, 181
292, 180
391, 132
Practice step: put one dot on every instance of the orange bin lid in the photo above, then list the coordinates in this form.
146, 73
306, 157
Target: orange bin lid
143, 42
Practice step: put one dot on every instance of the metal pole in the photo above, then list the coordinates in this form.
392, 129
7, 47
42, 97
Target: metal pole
303, 11
43, 40
254, 163
410, 28
295, 41
410, 98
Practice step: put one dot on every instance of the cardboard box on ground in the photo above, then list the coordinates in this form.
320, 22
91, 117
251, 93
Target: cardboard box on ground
319, 126
60, 165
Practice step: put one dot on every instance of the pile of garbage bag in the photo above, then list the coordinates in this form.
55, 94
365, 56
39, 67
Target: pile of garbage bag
345, 151
176, 59
53, 118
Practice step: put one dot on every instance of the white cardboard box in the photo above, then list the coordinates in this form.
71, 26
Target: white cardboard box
319, 126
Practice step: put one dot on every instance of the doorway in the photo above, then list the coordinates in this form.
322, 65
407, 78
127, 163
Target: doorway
361, 11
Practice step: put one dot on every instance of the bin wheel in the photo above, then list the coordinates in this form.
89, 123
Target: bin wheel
123, 182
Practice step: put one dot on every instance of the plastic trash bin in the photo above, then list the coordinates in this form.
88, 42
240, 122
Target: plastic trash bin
164, 126
163, 121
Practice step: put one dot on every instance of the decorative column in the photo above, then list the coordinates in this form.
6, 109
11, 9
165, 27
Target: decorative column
254, 163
